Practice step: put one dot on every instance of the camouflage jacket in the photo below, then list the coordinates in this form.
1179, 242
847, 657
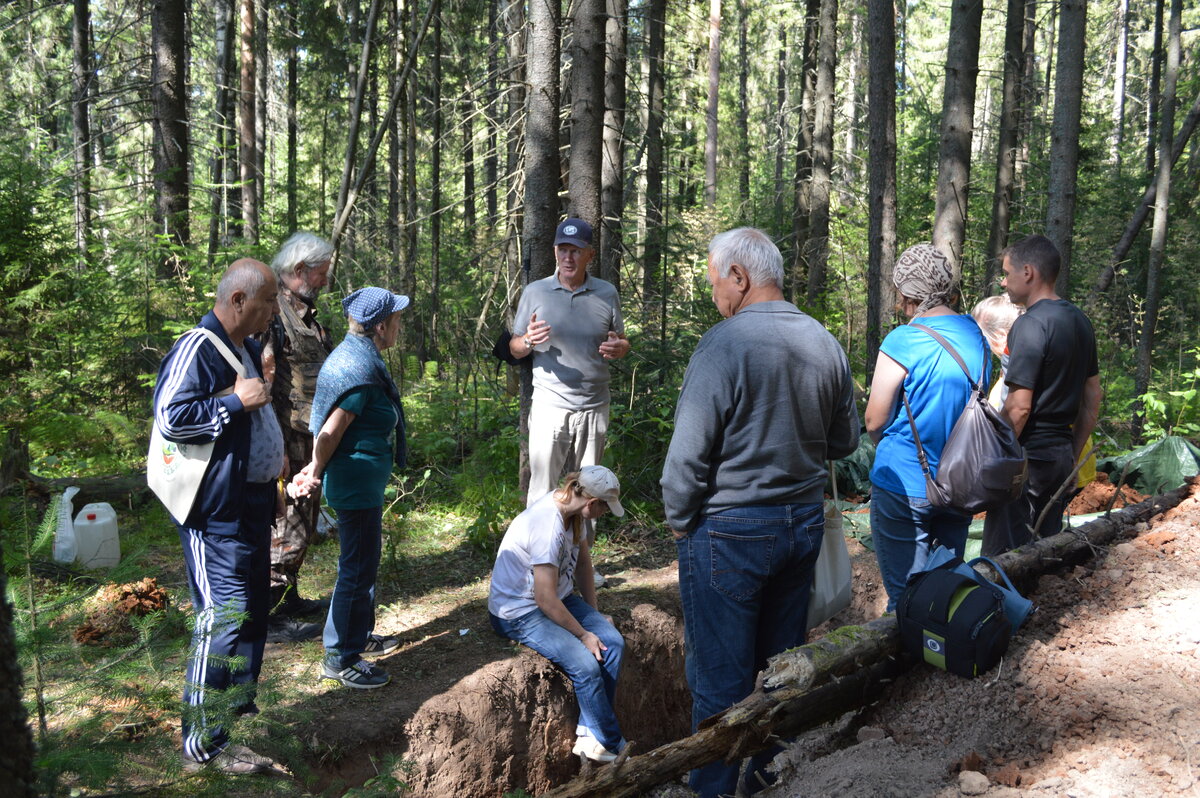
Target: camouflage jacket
299, 345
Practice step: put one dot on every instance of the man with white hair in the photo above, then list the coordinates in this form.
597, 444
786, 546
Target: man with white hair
767, 399
296, 345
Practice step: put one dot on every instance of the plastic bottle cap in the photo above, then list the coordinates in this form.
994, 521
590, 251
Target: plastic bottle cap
91, 516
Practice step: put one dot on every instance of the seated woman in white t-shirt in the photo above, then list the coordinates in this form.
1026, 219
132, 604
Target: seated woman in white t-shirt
532, 600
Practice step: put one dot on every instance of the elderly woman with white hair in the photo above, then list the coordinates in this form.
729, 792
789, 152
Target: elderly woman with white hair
913, 365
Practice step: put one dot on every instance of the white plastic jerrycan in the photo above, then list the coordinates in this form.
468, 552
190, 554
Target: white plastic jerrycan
96, 537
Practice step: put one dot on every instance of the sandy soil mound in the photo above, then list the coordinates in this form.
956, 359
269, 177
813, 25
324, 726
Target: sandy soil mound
1099, 695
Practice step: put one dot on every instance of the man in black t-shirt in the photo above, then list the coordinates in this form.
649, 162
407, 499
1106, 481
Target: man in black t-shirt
1053, 392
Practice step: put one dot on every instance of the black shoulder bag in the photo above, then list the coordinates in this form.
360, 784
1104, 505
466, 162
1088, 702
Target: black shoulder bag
982, 466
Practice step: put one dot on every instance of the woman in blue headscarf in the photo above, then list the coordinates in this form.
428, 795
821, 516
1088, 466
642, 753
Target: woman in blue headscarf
356, 411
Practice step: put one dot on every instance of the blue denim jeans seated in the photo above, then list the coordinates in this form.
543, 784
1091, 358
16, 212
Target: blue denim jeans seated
744, 579
352, 607
904, 529
595, 682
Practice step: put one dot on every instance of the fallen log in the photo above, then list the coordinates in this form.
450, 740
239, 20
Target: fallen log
814, 683
119, 491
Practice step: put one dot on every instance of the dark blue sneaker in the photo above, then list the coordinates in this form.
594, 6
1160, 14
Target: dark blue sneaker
380, 644
361, 675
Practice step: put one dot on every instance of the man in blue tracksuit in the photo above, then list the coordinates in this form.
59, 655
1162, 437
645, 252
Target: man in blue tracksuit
226, 536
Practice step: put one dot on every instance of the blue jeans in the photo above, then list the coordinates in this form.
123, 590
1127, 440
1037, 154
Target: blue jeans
595, 682
904, 529
352, 607
744, 579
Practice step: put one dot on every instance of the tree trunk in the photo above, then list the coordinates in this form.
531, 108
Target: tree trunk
881, 159
743, 115
248, 151
356, 108
293, 88
850, 106
816, 245
1064, 135
782, 115
809, 685
1143, 210
1152, 92
1029, 95
612, 177
1006, 146
262, 67
395, 201
1122, 59
16, 756
435, 198
655, 235
81, 77
1158, 235
958, 115
171, 143
491, 158
714, 96
466, 110
802, 177
222, 122
587, 113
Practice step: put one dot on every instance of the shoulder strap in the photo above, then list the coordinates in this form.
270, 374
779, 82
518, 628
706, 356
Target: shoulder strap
233, 360
953, 353
912, 422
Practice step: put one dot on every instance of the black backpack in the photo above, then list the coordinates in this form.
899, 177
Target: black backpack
952, 621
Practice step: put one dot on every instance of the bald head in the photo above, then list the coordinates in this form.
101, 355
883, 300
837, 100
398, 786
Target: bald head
246, 298
246, 275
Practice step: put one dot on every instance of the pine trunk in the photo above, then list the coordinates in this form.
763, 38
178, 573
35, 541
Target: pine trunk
612, 177
816, 244
587, 114
713, 104
1064, 135
171, 131
1006, 145
958, 119
1158, 234
248, 149
881, 167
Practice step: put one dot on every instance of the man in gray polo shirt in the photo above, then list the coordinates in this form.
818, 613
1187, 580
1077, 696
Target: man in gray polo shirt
571, 323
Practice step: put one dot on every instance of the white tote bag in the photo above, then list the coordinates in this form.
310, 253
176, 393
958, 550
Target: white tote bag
174, 471
831, 576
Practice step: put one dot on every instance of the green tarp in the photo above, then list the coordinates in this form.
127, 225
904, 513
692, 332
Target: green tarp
1156, 467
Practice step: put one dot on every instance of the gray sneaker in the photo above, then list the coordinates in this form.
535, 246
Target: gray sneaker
236, 760
362, 675
380, 644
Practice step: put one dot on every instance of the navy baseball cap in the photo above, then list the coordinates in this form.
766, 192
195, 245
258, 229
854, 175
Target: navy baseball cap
573, 231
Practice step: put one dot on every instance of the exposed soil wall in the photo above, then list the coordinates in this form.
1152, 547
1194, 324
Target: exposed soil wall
512, 723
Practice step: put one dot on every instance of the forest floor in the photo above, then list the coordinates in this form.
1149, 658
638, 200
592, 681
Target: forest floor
1099, 694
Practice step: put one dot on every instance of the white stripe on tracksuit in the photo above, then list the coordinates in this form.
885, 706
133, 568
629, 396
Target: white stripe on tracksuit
193, 743
189, 344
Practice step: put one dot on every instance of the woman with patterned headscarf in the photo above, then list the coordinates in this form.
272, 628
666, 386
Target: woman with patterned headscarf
913, 365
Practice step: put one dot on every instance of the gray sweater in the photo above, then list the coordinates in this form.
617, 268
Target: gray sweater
766, 400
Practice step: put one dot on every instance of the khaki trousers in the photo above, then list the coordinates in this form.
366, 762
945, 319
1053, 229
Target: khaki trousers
561, 441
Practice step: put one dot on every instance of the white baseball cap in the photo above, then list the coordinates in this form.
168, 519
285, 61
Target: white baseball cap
598, 481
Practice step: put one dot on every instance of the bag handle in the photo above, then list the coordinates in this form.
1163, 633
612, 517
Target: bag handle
912, 422
953, 353
230, 358
1007, 582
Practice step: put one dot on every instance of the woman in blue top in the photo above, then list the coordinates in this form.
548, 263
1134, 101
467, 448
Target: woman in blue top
356, 411
904, 525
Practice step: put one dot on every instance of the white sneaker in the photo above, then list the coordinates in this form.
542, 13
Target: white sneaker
593, 750
598, 578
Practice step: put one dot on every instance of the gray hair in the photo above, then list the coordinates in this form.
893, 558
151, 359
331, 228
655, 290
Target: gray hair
245, 275
751, 248
305, 248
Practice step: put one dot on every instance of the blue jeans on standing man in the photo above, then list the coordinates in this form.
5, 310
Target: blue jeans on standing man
744, 579
904, 530
595, 682
351, 616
